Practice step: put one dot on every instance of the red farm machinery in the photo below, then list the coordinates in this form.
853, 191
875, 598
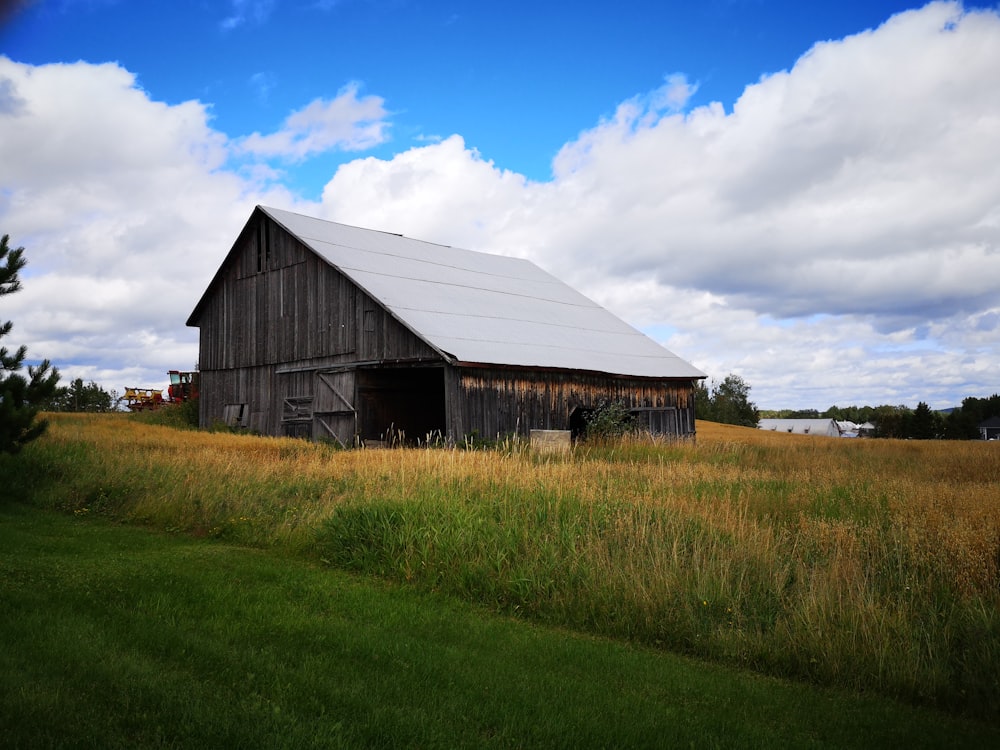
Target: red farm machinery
183, 387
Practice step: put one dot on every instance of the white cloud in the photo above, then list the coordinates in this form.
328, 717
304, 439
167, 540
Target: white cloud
834, 238
124, 211
853, 196
345, 123
247, 11
444, 191
262, 84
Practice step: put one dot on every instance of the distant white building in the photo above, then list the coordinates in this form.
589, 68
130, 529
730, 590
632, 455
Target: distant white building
821, 427
847, 428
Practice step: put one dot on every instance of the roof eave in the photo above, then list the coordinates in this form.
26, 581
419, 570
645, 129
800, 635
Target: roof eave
603, 373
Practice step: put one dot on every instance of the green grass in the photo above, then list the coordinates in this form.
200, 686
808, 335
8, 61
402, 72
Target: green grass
115, 637
869, 566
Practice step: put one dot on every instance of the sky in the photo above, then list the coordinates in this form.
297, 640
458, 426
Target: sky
802, 194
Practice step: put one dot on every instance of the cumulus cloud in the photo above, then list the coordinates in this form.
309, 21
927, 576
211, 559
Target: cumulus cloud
852, 183
853, 195
124, 210
344, 123
833, 236
417, 189
10, 103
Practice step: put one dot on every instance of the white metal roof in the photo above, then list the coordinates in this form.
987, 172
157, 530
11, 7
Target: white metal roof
482, 308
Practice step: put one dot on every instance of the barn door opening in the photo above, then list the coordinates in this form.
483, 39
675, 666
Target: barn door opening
401, 404
578, 422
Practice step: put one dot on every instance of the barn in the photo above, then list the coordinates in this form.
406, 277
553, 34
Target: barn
322, 330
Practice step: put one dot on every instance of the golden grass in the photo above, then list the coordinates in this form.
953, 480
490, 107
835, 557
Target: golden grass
866, 563
938, 497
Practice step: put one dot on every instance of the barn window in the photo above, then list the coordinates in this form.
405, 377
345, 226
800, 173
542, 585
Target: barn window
369, 321
297, 409
263, 247
235, 415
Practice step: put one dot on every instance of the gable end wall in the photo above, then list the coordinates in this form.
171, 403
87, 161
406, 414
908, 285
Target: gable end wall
276, 307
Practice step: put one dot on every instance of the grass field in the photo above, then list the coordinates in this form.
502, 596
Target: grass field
864, 565
119, 637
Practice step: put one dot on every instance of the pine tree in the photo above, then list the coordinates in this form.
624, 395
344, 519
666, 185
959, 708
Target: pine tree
924, 423
20, 396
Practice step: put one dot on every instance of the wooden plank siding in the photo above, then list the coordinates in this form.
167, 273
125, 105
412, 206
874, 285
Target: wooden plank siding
497, 402
304, 310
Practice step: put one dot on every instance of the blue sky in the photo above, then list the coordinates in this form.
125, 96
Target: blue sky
801, 193
516, 79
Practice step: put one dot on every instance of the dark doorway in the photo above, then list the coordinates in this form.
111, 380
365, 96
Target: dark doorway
401, 404
578, 422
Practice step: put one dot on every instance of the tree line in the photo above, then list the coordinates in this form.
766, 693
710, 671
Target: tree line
902, 422
729, 402
80, 396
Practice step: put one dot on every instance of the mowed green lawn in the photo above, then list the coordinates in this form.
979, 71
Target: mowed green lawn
114, 636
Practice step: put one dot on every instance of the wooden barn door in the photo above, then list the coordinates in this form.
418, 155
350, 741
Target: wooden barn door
296, 404
334, 415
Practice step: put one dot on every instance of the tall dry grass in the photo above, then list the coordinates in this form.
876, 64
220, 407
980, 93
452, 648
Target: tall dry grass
865, 564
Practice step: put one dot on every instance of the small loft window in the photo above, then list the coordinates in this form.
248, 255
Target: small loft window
263, 247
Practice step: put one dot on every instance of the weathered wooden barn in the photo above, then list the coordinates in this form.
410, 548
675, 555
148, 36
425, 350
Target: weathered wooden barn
322, 330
